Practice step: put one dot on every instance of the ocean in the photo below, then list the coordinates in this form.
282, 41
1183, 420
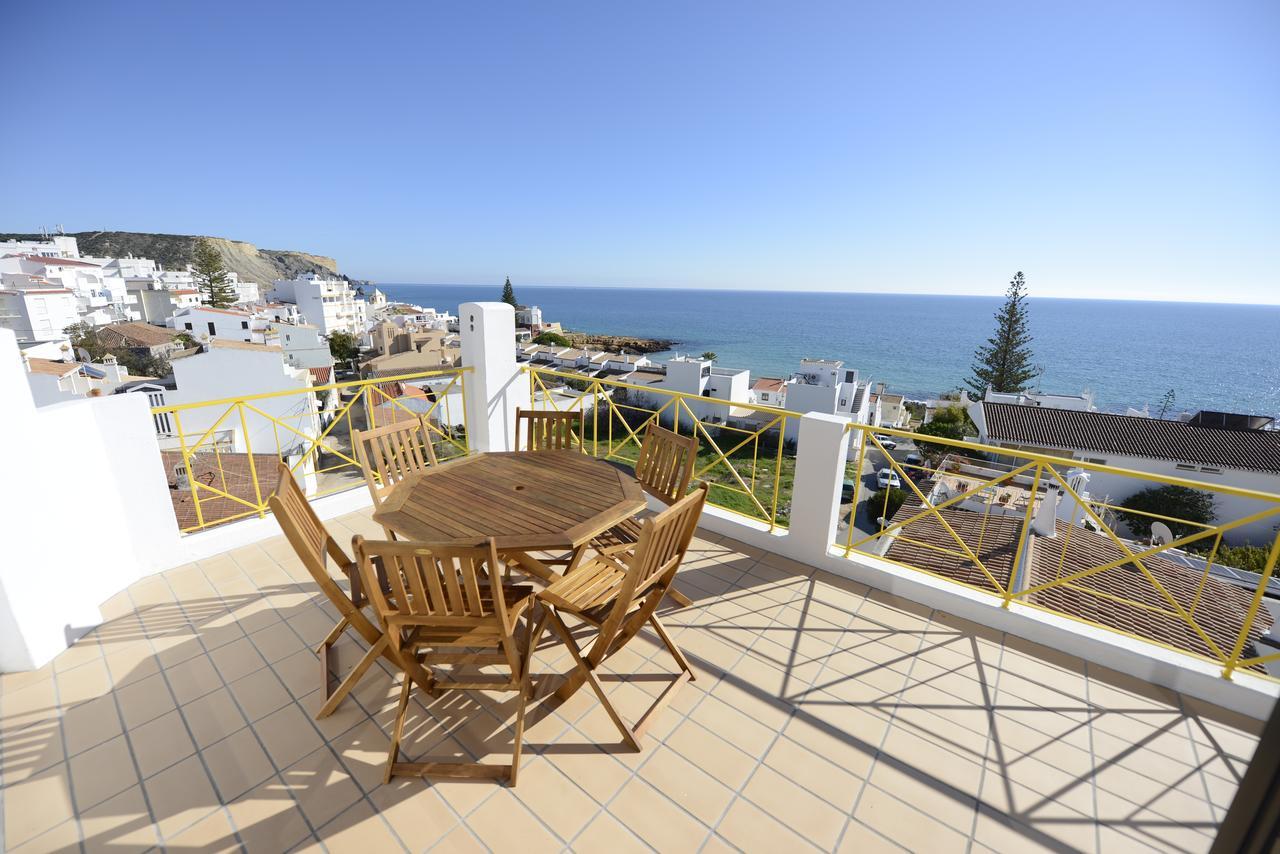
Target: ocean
1213, 356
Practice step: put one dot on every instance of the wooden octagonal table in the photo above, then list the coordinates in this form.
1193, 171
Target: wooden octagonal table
528, 501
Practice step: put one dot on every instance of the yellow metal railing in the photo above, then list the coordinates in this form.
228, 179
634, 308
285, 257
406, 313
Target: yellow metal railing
1089, 569
226, 449
744, 457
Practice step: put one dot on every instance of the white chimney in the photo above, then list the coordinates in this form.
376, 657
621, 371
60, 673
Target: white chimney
1042, 524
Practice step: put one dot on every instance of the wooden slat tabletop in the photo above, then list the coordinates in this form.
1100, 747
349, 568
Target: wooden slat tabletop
531, 500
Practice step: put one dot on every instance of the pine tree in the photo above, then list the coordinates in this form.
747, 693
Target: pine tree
211, 276
509, 294
1004, 362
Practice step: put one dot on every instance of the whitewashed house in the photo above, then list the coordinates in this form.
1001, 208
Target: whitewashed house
331, 305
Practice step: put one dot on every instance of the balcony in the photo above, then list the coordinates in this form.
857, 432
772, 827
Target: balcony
850, 692
825, 714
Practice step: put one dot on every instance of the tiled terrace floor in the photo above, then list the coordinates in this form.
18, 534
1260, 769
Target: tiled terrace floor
824, 715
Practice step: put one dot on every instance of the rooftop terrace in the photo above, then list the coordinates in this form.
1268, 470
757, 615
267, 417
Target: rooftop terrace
824, 714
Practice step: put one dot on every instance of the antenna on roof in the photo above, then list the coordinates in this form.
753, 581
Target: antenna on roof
1160, 534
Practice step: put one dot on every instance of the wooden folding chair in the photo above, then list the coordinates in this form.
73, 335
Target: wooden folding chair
546, 430
390, 453
618, 594
439, 607
315, 547
664, 469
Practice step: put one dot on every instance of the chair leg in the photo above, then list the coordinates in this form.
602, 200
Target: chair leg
583, 670
526, 688
371, 655
671, 646
398, 730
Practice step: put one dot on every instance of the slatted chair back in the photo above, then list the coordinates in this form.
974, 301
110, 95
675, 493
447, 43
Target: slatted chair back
390, 453
310, 539
652, 566
547, 430
449, 587
666, 463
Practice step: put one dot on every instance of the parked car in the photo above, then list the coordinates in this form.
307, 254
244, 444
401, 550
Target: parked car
847, 489
914, 459
887, 442
887, 477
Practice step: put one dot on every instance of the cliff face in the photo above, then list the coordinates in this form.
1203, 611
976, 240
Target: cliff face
175, 251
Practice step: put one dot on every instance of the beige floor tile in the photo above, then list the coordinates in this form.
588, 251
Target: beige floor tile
288, 735
144, 700
180, 796
160, 743
687, 785
359, 830
504, 824
121, 823
212, 834
85, 682
806, 813
37, 804
735, 726
277, 641
814, 773
553, 798
192, 679
259, 694
64, 837
101, 772
321, 785
213, 717
87, 724
715, 756
460, 840
416, 812
920, 786
31, 750
268, 819
911, 828
749, 828
656, 819
237, 763
606, 833
236, 659
28, 705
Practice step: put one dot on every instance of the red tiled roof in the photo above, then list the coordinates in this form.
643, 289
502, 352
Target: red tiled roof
49, 260
768, 384
320, 376
138, 334
1154, 438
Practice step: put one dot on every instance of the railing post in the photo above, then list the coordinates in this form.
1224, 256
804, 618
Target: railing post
821, 451
495, 387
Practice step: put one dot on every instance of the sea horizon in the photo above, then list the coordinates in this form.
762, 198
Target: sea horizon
1128, 353
381, 285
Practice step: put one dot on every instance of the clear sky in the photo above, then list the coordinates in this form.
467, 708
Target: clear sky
1109, 149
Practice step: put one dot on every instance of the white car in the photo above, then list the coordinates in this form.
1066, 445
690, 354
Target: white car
887, 477
887, 442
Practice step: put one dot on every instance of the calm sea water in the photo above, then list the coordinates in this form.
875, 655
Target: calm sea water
1213, 356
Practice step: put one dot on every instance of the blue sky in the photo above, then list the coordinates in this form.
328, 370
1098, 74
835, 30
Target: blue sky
1107, 149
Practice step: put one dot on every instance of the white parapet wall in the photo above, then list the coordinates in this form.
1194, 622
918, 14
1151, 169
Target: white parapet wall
84, 495
496, 386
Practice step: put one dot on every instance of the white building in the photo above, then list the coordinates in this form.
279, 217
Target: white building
206, 323
157, 305
1241, 458
303, 347
57, 246
236, 369
58, 381
769, 391
1082, 402
101, 295
826, 385
331, 305
38, 314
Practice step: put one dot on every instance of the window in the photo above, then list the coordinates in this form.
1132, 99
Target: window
1182, 467
244, 324
1210, 470
212, 330
842, 401
188, 325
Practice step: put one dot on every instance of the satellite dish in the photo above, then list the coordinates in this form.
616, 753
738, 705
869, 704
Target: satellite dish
1160, 534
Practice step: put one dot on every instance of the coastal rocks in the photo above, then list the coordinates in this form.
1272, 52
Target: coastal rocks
618, 343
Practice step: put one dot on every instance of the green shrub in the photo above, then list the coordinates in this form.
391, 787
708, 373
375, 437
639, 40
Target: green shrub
1177, 502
